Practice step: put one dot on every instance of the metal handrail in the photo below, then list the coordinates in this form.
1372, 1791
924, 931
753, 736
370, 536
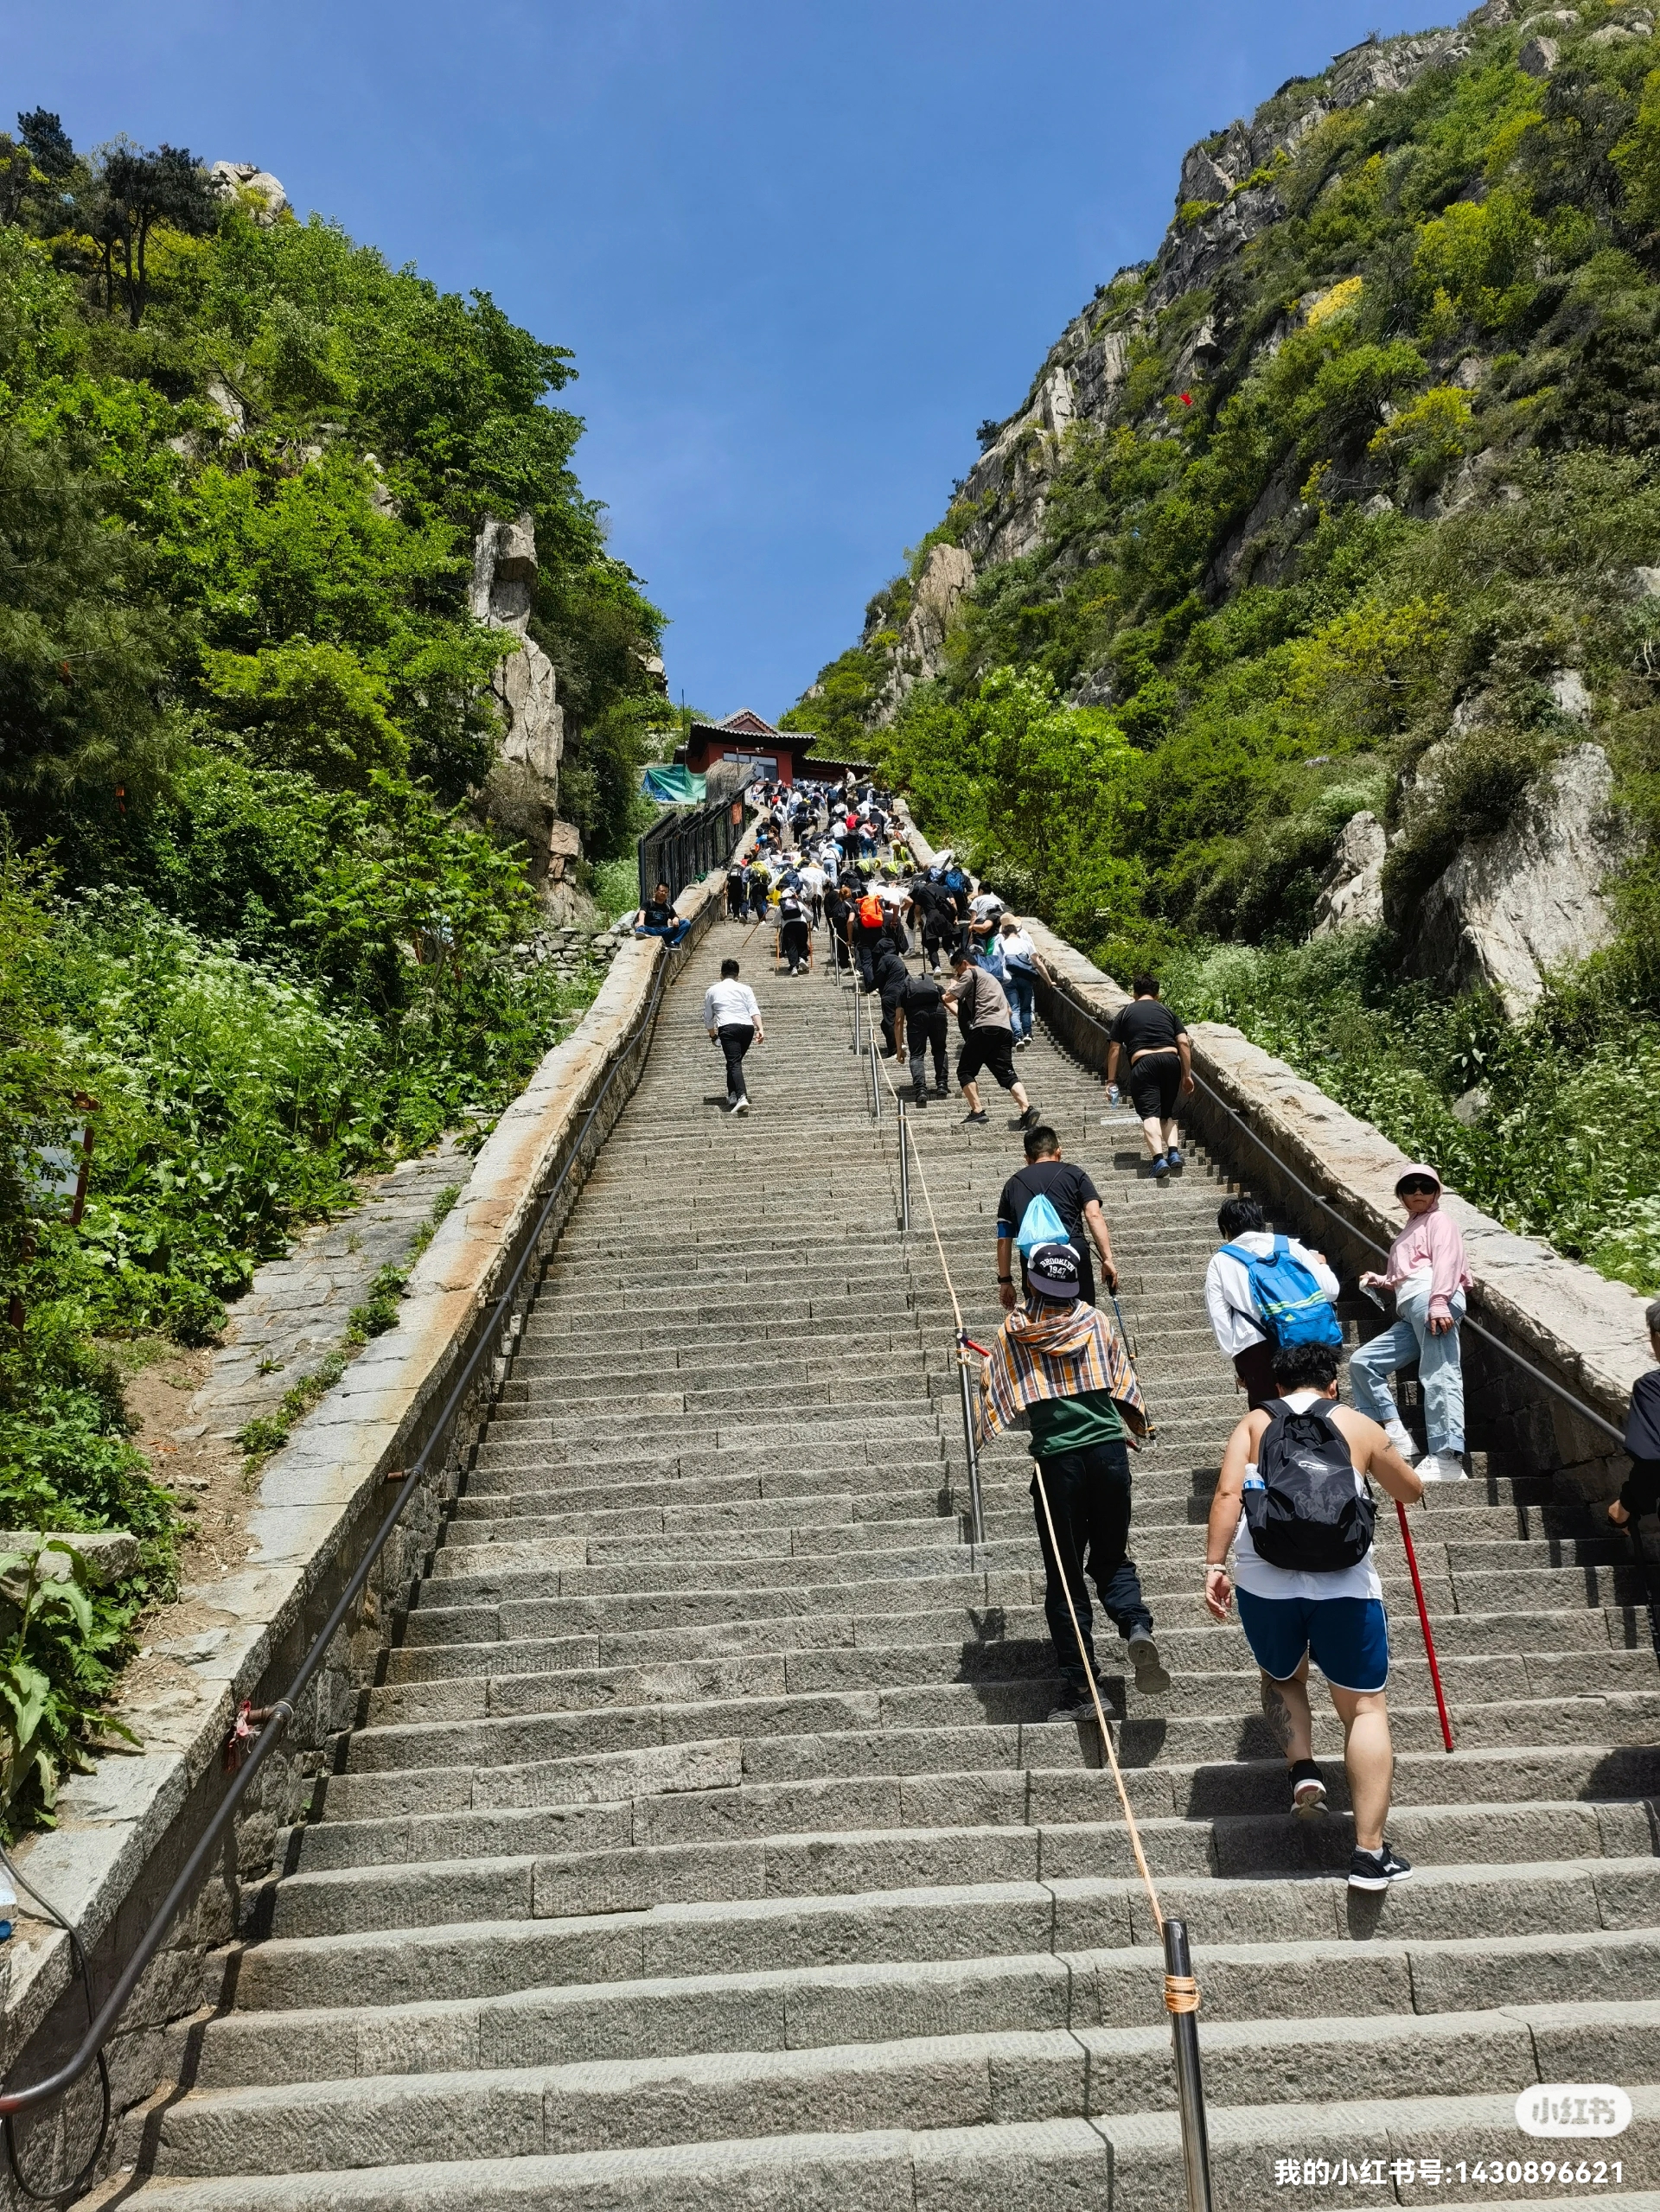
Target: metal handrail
280, 1714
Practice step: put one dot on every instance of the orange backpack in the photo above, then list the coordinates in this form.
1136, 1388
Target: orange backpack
873, 914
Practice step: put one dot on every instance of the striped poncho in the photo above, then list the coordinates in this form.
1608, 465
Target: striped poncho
1045, 1352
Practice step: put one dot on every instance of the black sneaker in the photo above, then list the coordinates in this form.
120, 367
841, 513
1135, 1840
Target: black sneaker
979, 1120
919, 1097
1152, 1676
1027, 1120
1377, 1869
1308, 1789
1075, 1703
941, 1090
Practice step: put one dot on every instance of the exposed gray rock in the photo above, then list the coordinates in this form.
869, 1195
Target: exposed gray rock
107, 1557
920, 654
1513, 907
522, 790
1472, 1106
257, 188
1646, 583
1098, 688
1568, 692
1539, 56
1351, 897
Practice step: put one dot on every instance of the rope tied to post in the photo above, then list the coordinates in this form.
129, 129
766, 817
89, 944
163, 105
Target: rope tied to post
1181, 1993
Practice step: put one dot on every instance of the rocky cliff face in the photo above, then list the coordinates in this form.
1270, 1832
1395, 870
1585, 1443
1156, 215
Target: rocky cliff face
1311, 360
522, 792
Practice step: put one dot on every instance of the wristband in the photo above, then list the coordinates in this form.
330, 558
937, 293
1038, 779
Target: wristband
1005, 1278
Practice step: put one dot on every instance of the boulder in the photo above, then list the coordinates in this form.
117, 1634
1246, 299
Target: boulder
1538, 56
256, 188
1515, 906
1570, 695
1351, 897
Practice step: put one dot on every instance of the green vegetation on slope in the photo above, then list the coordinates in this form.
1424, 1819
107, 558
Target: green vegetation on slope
1365, 490
245, 902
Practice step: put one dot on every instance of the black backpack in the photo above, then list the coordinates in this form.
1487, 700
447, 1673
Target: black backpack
1308, 1514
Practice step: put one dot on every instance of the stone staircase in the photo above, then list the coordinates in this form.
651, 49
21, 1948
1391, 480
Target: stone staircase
708, 1843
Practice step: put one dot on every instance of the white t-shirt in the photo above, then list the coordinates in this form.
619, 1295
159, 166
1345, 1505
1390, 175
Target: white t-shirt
729, 1004
984, 904
1228, 1290
1261, 1580
1018, 949
813, 880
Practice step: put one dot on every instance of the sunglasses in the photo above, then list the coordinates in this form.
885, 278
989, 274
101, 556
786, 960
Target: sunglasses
1417, 1186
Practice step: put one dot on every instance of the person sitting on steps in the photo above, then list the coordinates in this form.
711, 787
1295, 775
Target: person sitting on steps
1641, 1491
1330, 1613
1158, 1059
657, 918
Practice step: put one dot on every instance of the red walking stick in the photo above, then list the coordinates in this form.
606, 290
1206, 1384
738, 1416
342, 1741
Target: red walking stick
1423, 1622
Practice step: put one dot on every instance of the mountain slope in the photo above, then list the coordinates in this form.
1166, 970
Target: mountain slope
1314, 581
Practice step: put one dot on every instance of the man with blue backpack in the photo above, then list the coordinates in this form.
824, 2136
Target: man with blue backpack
1050, 1202
1263, 1290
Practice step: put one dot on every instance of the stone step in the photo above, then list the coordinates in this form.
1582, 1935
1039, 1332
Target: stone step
970, 2081
810, 2007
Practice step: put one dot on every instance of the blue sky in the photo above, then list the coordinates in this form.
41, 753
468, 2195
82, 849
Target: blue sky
800, 247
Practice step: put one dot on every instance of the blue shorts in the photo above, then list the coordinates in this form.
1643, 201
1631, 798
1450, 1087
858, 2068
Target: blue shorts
1347, 1638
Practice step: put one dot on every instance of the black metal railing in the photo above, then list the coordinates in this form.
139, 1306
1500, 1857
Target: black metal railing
685, 846
493, 1338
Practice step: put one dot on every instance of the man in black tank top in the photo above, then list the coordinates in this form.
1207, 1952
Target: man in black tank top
1153, 1046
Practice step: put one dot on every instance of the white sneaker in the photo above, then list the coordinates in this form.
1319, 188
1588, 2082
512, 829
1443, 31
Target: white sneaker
1441, 1467
1400, 1436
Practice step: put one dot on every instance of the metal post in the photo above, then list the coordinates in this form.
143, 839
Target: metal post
1180, 1991
855, 1045
976, 1518
876, 1069
904, 1175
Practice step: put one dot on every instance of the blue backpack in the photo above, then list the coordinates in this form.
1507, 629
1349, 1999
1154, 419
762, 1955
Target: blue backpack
1290, 1304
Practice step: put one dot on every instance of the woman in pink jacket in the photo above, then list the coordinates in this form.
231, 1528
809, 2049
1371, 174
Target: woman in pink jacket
1429, 1275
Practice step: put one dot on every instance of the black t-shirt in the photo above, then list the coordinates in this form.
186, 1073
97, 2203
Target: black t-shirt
1068, 1189
1146, 1025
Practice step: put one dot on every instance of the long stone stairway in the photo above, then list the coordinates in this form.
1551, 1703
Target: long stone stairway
707, 1841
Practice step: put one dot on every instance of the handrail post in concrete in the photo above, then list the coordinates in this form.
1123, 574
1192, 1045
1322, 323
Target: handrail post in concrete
1182, 1997
976, 1518
876, 1069
905, 1172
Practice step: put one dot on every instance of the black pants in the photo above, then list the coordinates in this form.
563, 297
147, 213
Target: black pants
736, 894
1089, 1498
869, 947
1641, 1490
890, 1010
758, 901
1154, 1082
933, 938
735, 1038
924, 1032
792, 942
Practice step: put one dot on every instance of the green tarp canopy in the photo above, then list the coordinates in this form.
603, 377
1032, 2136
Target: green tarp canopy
674, 786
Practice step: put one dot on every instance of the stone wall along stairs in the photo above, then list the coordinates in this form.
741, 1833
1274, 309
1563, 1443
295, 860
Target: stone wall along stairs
707, 1841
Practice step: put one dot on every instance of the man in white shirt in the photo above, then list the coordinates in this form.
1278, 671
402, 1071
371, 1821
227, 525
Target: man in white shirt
812, 890
733, 1021
1239, 1334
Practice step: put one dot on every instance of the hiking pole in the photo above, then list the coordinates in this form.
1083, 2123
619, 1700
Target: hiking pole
1423, 1622
976, 1519
905, 1172
1182, 2001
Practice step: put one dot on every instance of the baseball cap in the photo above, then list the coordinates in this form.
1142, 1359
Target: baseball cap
1052, 1271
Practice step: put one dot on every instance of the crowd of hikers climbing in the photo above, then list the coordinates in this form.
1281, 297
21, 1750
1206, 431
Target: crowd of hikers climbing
1289, 1534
